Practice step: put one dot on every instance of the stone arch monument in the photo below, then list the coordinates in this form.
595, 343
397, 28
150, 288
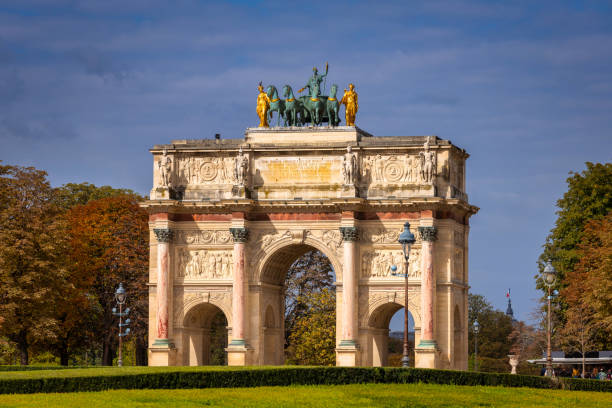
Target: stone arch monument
228, 217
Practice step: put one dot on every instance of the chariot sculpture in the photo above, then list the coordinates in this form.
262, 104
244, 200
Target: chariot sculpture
312, 109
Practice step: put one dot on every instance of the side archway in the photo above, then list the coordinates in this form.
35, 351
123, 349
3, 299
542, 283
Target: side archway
380, 312
205, 328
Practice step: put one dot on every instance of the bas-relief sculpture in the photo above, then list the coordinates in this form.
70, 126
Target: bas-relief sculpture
428, 163
204, 264
377, 263
165, 169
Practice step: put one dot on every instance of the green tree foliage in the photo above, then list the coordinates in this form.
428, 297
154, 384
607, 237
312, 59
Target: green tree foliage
313, 339
495, 327
71, 194
32, 244
309, 274
588, 197
307, 278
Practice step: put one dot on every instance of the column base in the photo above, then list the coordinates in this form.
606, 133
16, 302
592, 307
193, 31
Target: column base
426, 354
347, 354
238, 354
162, 353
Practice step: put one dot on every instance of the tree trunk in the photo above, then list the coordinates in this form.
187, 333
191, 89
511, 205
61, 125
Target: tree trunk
22, 346
141, 352
63, 352
108, 353
583, 366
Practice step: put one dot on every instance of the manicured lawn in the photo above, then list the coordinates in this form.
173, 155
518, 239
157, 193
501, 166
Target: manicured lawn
94, 371
356, 395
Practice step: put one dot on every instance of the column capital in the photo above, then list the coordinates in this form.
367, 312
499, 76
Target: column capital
349, 234
240, 234
163, 235
428, 233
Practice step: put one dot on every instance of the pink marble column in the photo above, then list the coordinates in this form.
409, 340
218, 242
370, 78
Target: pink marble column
164, 237
349, 287
240, 236
428, 236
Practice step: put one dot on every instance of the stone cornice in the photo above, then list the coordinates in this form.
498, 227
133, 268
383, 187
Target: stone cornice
317, 205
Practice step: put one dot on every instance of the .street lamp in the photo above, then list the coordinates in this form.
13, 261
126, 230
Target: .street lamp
476, 330
406, 238
550, 276
120, 297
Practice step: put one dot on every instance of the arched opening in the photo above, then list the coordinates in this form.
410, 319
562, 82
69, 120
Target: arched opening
300, 324
205, 336
458, 353
387, 334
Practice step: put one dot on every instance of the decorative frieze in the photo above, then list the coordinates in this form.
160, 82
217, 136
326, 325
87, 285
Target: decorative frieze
204, 170
202, 264
163, 235
202, 237
349, 233
428, 233
240, 234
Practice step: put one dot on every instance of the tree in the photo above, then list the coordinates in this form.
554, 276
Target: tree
589, 197
591, 281
109, 244
313, 338
32, 244
580, 332
495, 327
309, 274
72, 194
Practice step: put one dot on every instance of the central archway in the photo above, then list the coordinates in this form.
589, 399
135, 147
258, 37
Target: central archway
296, 280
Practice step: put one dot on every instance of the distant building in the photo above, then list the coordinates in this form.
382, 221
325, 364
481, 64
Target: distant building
509, 311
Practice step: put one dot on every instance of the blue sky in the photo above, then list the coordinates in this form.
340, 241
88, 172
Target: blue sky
86, 87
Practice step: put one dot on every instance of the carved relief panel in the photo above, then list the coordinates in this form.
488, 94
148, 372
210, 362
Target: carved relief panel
377, 263
201, 264
199, 237
189, 170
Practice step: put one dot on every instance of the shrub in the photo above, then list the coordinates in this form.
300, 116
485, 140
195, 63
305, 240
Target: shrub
223, 378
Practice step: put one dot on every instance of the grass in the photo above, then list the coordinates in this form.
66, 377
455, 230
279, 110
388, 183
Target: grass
356, 395
95, 371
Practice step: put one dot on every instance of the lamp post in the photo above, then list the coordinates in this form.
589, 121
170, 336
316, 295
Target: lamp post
120, 297
406, 238
550, 276
476, 330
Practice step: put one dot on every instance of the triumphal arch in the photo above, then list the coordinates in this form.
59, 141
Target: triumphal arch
228, 217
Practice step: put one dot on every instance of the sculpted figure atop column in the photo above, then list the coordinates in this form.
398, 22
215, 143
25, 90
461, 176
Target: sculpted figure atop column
242, 167
165, 169
349, 166
428, 163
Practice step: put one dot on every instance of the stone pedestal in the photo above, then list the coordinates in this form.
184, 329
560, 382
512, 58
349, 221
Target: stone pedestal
348, 190
239, 192
162, 356
426, 355
160, 193
238, 355
347, 355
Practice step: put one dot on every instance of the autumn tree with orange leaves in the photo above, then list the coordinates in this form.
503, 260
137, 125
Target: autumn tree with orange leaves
109, 244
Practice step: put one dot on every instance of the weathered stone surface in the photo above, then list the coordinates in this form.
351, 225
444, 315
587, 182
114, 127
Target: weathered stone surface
236, 228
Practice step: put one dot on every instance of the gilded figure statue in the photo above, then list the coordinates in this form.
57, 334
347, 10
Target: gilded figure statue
263, 105
352, 105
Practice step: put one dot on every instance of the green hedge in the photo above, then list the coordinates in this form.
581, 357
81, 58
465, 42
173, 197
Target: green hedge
283, 376
35, 367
